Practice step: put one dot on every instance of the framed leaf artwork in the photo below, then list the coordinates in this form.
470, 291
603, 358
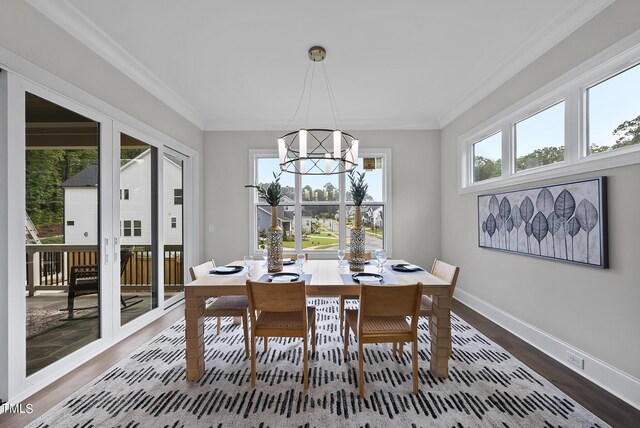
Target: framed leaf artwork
566, 222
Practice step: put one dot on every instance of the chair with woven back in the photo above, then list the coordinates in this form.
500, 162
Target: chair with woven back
382, 318
445, 272
343, 299
280, 310
224, 306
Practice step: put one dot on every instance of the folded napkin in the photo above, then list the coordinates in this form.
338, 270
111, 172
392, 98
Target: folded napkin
372, 281
281, 279
412, 267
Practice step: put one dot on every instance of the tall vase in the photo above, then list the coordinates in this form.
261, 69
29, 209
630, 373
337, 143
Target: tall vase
356, 259
274, 243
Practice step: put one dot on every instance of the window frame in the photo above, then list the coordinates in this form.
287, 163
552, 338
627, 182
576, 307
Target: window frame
571, 88
255, 154
177, 198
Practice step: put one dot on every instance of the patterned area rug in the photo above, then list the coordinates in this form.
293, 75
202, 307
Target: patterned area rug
486, 387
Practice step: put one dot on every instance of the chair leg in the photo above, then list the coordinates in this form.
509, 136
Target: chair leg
219, 324
361, 369
313, 335
265, 340
341, 309
415, 364
253, 360
346, 341
246, 334
305, 375
401, 348
395, 349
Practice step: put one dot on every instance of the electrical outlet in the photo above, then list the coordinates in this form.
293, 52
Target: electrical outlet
575, 360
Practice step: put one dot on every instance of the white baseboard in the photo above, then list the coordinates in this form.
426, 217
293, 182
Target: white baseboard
617, 382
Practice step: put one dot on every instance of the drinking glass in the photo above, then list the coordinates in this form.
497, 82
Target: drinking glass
265, 257
375, 255
248, 260
382, 259
300, 258
341, 254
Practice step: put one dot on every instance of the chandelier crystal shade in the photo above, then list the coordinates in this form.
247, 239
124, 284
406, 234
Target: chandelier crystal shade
318, 151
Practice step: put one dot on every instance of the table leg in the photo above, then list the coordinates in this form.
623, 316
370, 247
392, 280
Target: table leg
440, 335
194, 334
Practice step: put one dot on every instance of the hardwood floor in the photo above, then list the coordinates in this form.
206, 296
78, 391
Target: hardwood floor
601, 403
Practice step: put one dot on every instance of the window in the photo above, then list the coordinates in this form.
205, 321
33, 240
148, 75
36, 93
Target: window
487, 154
126, 228
174, 222
124, 194
316, 212
586, 120
137, 228
177, 196
613, 112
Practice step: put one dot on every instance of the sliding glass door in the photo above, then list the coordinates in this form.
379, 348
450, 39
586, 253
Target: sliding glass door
138, 231
62, 231
173, 196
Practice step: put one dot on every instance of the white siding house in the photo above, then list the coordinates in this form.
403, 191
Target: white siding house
81, 203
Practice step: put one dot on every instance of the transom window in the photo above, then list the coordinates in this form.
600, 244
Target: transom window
584, 121
177, 196
539, 139
614, 112
487, 154
316, 212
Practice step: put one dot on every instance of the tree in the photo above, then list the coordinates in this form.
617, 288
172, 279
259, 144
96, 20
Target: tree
484, 168
627, 134
539, 157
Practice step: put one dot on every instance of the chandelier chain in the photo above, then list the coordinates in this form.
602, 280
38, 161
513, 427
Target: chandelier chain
332, 97
304, 87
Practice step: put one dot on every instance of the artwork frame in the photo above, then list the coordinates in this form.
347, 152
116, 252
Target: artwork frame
571, 215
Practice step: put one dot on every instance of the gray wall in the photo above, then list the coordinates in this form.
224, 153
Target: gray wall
415, 190
29, 34
593, 310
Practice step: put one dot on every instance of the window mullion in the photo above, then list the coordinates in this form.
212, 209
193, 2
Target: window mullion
574, 143
508, 149
298, 213
342, 213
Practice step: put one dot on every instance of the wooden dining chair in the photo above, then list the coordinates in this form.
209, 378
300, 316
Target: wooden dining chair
343, 299
445, 272
224, 306
382, 318
280, 310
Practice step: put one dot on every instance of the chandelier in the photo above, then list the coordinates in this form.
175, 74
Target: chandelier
318, 151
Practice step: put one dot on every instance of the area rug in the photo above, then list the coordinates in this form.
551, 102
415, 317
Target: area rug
486, 387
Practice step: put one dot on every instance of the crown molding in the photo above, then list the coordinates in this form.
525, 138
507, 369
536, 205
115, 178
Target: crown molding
70, 19
575, 14
360, 125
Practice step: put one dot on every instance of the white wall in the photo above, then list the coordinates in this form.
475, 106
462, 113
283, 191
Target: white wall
590, 310
29, 34
415, 192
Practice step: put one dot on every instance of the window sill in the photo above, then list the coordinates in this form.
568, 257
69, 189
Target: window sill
593, 163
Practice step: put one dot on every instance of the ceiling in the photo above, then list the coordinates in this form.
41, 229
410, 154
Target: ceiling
240, 65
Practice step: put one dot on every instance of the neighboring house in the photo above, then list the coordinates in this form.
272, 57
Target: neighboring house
81, 203
378, 218
285, 218
307, 217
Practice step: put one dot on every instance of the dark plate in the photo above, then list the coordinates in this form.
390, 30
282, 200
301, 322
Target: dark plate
402, 267
366, 275
294, 276
287, 262
224, 270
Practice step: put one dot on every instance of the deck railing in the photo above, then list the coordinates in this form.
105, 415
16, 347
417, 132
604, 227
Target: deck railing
48, 266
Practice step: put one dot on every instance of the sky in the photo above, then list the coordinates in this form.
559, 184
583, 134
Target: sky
610, 103
373, 178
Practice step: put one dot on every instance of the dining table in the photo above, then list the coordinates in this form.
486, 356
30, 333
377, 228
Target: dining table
323, 278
